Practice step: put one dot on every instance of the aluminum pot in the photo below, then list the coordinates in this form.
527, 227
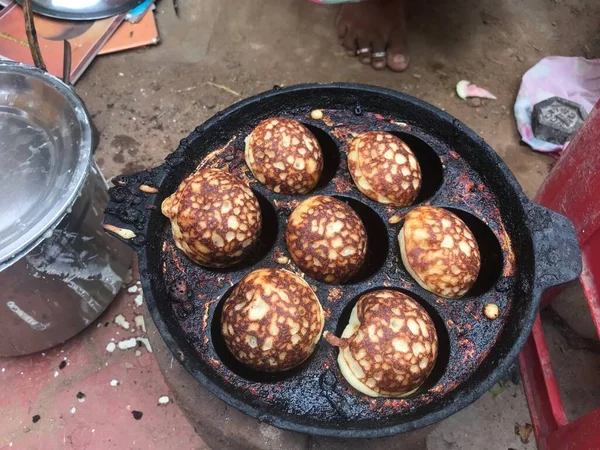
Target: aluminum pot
58, 269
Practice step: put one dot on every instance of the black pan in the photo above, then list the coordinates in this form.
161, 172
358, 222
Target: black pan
525, 250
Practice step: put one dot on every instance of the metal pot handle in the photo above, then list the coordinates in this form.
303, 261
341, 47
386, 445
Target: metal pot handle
556, 249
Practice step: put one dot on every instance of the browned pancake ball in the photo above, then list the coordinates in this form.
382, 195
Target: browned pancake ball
215, 218
384, 168
284, 156
326, 239
272, 321
439, 251
389, 347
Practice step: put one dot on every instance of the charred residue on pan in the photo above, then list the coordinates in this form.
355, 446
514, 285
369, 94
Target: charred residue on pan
317, 388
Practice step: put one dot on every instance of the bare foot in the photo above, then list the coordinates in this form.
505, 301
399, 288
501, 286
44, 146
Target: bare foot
375, 31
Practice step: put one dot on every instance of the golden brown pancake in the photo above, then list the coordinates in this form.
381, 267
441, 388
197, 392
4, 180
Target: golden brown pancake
389, 347
326, 239
284, 156
384, 168
215, 218
439, 251
272, 320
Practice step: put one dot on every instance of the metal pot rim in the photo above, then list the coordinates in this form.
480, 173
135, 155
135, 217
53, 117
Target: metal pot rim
32, 236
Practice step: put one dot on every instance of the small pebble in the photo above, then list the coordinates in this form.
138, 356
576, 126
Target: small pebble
491, 311
132, 289
283, 260
111, 347
127, 343
36, 418
81, 397
121, 321
55, 373
114, 383
146, 343
73, 409
139, 299
138, 353
137, 415
139, 323
316, 114
163, 400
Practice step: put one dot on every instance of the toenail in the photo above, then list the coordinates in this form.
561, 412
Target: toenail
399, 59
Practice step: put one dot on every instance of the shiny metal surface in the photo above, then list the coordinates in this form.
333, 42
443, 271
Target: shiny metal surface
58, 269
82, 9
65, 282
45, 152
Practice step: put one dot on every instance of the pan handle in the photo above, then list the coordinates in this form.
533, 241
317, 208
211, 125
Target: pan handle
132, 201
556, 249
135, 198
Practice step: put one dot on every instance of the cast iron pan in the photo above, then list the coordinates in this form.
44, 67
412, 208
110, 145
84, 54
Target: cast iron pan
525, 250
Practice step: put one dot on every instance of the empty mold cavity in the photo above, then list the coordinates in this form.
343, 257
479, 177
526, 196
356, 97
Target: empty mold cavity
236, 366
377, 239
331, 155
492, 260
432, 171
442, 333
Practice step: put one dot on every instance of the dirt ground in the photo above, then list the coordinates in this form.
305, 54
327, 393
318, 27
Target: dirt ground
220, 51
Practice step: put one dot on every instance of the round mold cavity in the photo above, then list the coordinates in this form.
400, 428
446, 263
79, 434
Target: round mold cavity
492, 260
236, 366
441, 363
331, 155
432, 171
266, 240
377, 239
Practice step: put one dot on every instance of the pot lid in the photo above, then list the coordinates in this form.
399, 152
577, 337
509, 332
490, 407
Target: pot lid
45, 150
82, 9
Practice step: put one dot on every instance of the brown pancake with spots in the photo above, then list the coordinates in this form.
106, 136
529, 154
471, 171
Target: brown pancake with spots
384, 168
284, 156
439, 251
272, 320
326, 239
389, 347
215, 218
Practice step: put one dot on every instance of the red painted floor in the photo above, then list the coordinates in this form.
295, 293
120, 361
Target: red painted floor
39, 403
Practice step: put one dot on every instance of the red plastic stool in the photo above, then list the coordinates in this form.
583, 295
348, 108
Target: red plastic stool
572, 189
